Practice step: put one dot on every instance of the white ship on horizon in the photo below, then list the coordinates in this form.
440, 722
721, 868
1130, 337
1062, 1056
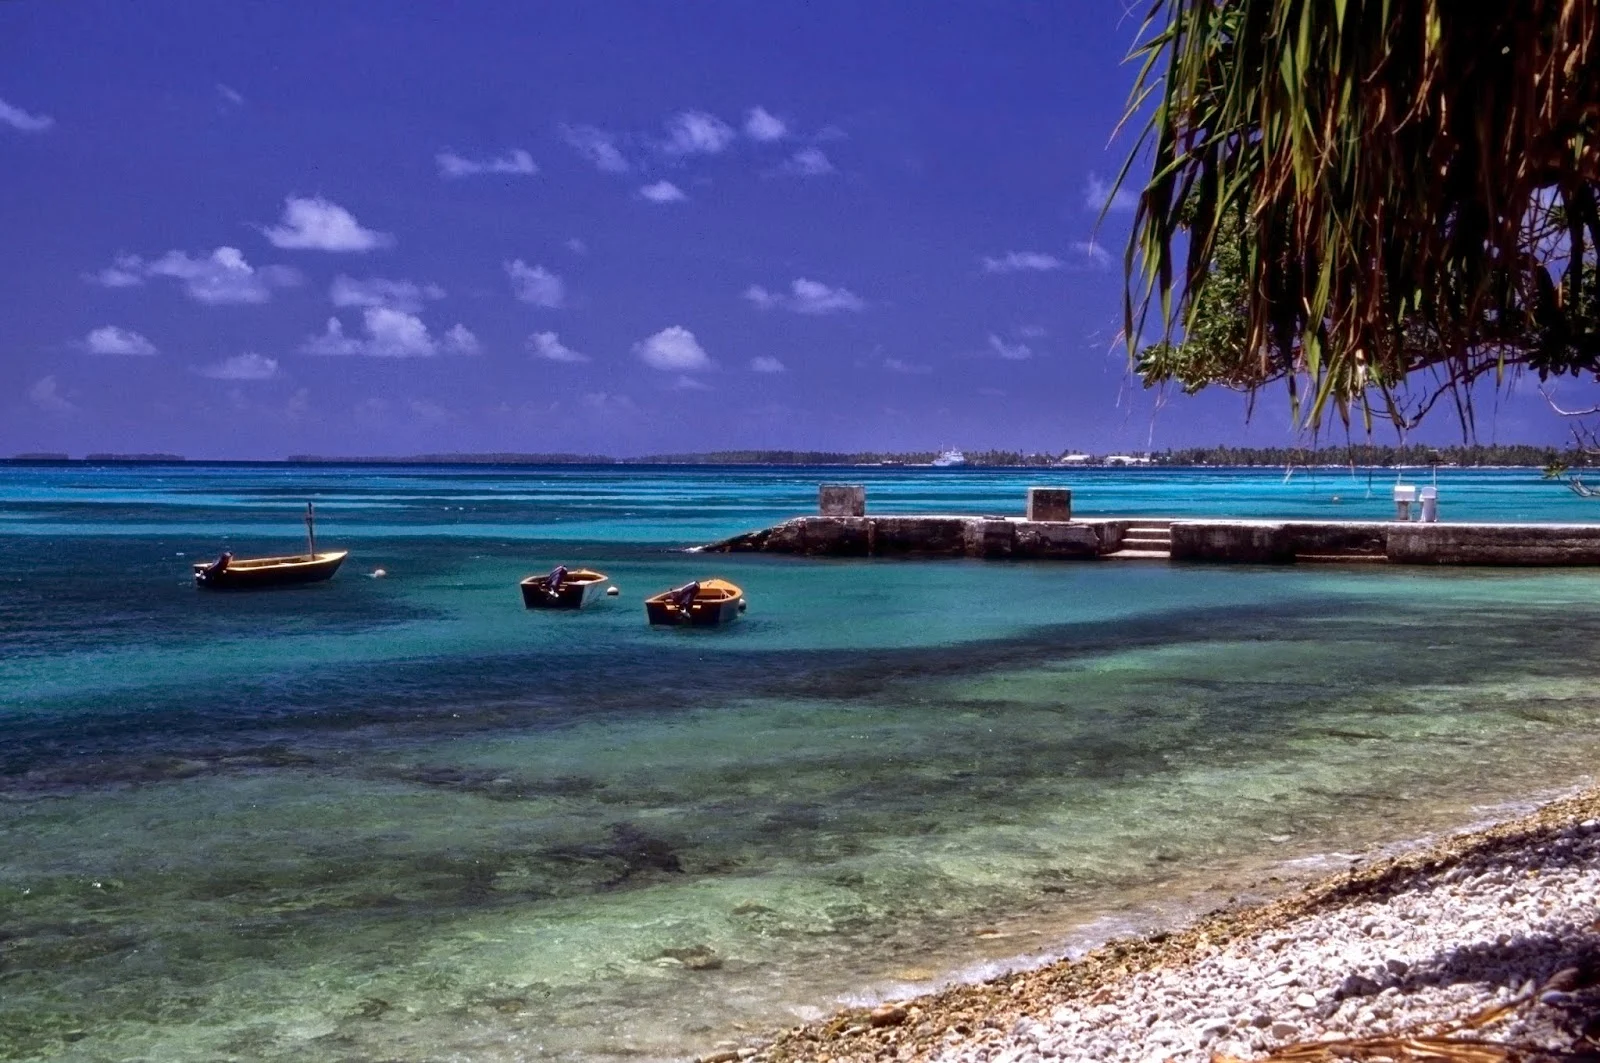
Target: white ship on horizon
948, 458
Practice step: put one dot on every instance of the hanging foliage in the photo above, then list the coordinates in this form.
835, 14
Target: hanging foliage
1352, 192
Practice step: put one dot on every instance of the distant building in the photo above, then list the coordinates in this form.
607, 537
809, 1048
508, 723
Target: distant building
1127, 459
1075, 459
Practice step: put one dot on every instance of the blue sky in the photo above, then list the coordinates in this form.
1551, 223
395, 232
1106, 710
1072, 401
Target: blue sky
245, 230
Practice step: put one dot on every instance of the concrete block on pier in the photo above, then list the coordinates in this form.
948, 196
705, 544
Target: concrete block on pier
1049, 503
842, 500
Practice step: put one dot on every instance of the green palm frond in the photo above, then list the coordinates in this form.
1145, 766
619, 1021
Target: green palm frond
1383, 170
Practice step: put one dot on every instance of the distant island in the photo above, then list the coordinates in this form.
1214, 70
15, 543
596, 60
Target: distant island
1514, 454
1362, 455
457, 459
155, 459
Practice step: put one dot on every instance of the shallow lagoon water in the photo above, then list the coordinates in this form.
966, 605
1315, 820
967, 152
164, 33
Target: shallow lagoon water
402, 818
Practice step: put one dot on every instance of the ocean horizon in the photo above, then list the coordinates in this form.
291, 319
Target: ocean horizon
402, 818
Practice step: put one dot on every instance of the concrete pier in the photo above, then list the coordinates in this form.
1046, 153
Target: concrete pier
1199, 540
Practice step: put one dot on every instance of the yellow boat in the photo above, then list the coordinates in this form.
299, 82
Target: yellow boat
252, 573
229, 573
577, 588
703, 604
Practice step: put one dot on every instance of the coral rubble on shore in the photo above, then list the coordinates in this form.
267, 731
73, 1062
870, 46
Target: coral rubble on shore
1482, 947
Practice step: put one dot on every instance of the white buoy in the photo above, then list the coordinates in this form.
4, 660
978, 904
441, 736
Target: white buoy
612, 592
378, 573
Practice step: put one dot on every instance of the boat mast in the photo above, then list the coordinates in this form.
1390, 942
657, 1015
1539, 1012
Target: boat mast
311, 530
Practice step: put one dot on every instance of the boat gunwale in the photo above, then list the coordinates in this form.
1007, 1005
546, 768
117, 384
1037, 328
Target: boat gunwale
582, 577
711, 592
267, 564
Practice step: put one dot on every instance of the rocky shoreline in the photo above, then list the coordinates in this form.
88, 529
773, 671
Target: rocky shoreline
1482, 947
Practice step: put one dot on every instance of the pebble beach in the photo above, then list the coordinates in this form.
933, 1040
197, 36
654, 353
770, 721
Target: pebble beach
1480, 947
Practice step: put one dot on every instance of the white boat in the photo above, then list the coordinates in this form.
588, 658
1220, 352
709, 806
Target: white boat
947, 458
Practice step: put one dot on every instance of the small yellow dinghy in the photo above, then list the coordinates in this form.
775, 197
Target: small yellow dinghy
563, 588
705, 603
252, 573
229, 573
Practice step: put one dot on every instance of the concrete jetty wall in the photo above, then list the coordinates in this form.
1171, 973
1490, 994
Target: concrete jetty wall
1200, 540
1277, 542
925, 536
1398, 542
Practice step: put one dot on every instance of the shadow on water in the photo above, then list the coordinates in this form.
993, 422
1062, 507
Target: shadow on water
292, 720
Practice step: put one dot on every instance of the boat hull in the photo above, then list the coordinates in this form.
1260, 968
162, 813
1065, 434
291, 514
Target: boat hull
718, 602
577, 590
262, 573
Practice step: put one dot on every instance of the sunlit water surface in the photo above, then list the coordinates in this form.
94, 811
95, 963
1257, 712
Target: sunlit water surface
404, 819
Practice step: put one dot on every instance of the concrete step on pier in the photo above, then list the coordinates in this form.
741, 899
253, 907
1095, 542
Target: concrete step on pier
1145, 541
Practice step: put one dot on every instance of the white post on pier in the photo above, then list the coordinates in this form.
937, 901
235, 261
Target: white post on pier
1404, 495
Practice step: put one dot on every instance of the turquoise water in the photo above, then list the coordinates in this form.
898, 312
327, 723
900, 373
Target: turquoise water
401, 818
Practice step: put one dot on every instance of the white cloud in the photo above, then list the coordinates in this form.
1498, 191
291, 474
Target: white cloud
762, 125
220, 278
46, 394
663, 192
516, 162
1017, 261
127, 272
390, 333
808, 162
697, 133
230, 95
429, 412
316, 224
577, 246
806, 297
1015, 352
895, 365
17, 118
1031, 332
1093, 254
596, 145
766, 364
242, 367
548, 345
673, 349
377, 291
536, 285
689, 383
1096, 192
110, 339
461, 340
606, 402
